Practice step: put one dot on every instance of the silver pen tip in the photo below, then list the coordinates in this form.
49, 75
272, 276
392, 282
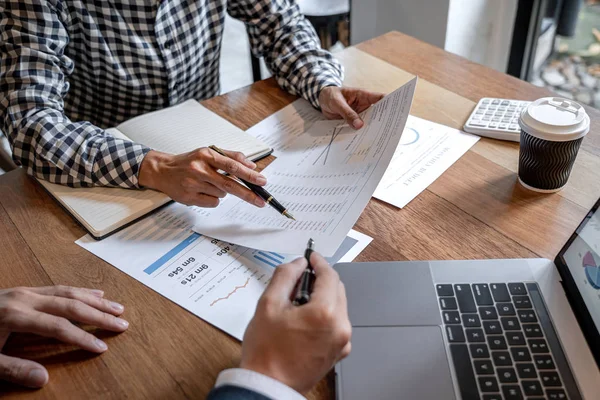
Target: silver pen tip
310, 243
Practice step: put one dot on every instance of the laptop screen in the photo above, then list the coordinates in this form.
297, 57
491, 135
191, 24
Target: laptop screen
579, 266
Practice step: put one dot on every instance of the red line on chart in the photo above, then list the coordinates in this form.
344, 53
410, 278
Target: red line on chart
229, 295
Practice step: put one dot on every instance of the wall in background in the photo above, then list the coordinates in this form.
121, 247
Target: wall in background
481, 30
424, 19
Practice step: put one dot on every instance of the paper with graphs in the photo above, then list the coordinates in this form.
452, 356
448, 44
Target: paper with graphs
325, 178
215, 280
426, 150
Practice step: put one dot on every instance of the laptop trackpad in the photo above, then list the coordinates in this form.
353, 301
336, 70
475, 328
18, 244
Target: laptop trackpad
396, 363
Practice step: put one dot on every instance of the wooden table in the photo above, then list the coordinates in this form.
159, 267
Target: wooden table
475, 210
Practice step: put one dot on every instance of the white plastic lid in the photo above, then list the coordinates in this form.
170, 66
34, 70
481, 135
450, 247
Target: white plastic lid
555, 119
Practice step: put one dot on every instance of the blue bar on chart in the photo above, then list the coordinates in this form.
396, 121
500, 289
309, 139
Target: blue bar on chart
172, 253
271, 259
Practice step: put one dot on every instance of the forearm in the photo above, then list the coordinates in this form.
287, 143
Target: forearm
51, 147
241, 383
33, 71
280, 33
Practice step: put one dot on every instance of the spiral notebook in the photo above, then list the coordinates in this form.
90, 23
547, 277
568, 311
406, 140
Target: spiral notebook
178, 129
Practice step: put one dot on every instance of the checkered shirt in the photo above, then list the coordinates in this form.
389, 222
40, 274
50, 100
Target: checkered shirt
71, 68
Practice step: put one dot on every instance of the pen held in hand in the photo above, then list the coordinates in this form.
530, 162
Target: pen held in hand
307, 279
259, 190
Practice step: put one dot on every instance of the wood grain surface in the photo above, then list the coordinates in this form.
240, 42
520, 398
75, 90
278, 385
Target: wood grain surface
474, 210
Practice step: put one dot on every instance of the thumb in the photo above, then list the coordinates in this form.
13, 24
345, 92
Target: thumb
22, 372
284, 280
348, 113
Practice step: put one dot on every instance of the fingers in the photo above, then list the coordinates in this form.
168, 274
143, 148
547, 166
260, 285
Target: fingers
284, 280
238, 156
76, 310
22, 372
347, 112
231, 186
86, 296
58, 328
345, 351
209, 189
369, 98
56, 290
325, 290
237, 168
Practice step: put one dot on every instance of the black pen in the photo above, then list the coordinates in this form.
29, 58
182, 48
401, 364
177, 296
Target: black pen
259, 190
305, 284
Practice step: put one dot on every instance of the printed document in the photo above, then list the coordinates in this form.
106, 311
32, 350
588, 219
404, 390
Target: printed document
215, 280
325, 178
426, 150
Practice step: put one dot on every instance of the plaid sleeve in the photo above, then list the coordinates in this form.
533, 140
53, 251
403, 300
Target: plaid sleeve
290, 46
33, 71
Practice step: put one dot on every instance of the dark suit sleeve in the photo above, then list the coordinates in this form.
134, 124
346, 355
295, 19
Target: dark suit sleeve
228, 392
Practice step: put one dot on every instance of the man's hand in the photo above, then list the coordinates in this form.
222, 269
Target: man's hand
46, 311
192, 178
347, 103
298, 345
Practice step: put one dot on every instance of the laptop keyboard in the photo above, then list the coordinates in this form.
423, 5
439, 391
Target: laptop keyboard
503, 344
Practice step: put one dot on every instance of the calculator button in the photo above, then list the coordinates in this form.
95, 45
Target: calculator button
485, 101
506, 120
512, 108
501, 108
498, 114
513, 127
478, 124
489, 114
495, 119
505, 103
494, 124
486, 119
503, 126
479, 112
495, 101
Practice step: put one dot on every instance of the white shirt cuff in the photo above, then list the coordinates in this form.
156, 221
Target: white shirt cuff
258, 383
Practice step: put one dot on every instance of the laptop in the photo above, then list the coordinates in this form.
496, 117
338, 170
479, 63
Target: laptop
489, 329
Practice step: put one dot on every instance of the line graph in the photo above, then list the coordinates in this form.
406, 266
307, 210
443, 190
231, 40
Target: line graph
230, 293
336, 131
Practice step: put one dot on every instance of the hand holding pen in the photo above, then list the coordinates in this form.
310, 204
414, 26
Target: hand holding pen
298, 345
259, 191
307, 280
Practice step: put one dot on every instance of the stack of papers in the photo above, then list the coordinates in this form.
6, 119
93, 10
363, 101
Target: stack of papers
325, 178
216, 263
219, 282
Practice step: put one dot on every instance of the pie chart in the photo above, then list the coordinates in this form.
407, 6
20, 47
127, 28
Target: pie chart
592, 271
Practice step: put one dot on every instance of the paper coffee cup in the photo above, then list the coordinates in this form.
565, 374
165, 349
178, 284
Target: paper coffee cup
552, 129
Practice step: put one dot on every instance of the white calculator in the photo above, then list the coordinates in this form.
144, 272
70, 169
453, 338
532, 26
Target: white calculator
496, 118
